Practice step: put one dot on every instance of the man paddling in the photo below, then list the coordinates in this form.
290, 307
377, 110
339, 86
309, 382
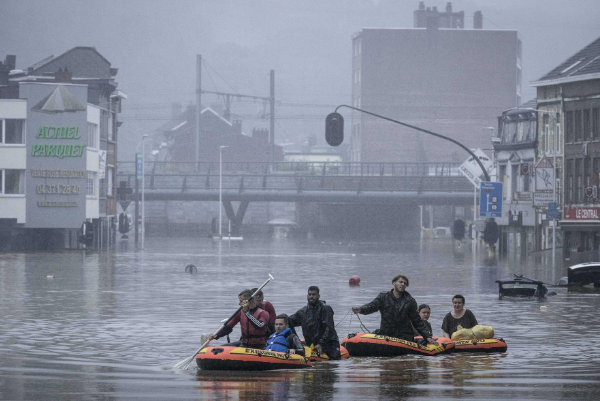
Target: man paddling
316, 319
398, 310
284, 339
253, 322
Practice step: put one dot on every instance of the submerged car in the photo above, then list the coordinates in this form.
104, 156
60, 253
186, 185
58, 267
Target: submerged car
519, 286
584, 274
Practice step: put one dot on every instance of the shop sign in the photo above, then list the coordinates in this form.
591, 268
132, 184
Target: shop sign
56, 174
542, 199
582, 213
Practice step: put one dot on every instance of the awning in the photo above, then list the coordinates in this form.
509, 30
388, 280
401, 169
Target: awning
570, 225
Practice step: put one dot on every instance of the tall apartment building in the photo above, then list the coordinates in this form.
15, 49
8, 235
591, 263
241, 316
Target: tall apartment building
58, 138
436, 75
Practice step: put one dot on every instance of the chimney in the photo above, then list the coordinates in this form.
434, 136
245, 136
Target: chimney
448, 7
10, 62
261, 135
64, 76
419, 17
478, 20
175, 110
236, 127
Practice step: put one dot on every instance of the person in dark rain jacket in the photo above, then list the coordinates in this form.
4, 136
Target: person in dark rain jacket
316, 319
398, 310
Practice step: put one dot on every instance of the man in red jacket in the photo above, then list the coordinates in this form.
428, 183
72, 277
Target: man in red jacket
253, 322
267, 307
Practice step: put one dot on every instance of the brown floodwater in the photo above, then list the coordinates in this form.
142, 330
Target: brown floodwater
108, 325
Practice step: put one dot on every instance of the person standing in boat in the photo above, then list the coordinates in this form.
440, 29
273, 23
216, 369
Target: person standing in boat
267, 307
425, 313
459, 316
253, 323
316, 319
398, 312
284, 339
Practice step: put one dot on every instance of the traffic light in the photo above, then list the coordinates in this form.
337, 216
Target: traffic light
334, 129
459, 229
490, 233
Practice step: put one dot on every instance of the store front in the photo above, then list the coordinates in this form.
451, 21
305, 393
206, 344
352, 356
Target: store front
581, 227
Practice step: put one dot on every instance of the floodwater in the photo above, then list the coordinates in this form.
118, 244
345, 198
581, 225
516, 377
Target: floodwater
108, 325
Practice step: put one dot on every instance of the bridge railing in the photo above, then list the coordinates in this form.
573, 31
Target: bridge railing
297, 168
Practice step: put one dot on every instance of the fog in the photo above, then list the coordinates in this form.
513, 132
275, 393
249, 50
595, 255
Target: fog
308, 44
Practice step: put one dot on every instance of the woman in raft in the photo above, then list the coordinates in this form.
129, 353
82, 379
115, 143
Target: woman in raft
424, 312
459, 316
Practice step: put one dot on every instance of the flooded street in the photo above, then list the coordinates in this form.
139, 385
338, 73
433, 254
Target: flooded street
107, 325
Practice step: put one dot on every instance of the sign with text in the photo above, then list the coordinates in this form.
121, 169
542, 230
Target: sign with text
490, 200
552, 213
582, 213
472, 170
542, 199
56, 174
544, 175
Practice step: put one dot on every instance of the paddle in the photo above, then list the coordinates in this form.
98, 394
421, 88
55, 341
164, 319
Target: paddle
186, 362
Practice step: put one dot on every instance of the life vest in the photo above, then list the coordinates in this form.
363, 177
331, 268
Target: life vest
277, 341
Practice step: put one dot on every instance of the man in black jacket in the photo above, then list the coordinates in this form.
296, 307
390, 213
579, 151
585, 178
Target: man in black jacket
318, 328
398, 310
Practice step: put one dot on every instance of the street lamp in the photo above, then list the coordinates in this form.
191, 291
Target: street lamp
143, 143
221, 186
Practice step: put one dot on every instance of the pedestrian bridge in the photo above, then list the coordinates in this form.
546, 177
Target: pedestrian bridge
383, 183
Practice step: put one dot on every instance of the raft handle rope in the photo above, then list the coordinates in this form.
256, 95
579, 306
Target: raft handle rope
362, 326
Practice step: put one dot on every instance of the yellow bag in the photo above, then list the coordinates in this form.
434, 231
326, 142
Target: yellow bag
463, 334
482, 332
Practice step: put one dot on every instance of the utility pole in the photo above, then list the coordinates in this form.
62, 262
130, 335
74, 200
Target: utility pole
272, 112
198, 108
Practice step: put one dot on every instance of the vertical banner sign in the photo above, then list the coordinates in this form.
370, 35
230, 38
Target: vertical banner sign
102, 164
490, 201
56, 174
138, 166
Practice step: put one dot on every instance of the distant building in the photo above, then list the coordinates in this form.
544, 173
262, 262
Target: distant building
515, 156
437, 76
569, 97
176, 138
58, 138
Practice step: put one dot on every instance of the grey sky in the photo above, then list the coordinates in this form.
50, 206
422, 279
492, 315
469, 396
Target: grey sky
306, 42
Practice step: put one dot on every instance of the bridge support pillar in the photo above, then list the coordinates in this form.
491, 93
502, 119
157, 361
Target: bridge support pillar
235, 218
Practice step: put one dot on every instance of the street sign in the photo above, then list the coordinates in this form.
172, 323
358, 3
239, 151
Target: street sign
542, 199
544, 175
552, 213
138, 166
471, 169
490, 200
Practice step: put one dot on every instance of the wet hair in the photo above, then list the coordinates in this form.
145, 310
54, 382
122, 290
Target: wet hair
246, 294
258, 293
313, 288
285, 318
400, 276
423, 306
459, 297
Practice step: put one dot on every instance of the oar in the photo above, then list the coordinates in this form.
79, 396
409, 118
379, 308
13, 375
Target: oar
186, 362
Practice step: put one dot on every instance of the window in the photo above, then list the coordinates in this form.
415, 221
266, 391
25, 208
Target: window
12, 182
514, 179
587, 132
92, 136
558, 134
578, 131
595, 122
546, 134
570, 134
109, 180
526, 187
91, 184
11, 131
578, 181
570, 181
502, 178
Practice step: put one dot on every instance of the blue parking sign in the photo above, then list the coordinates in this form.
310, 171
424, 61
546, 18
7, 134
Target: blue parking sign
490, 200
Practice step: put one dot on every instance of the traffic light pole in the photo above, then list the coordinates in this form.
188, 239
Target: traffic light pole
485, 173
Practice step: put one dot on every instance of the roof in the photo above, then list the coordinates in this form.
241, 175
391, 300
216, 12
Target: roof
519, 279
81, 61
583, 65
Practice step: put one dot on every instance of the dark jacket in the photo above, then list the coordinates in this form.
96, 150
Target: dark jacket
397, 314
317, 324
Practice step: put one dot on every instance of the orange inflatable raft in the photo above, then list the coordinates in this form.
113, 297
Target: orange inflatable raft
483, 345
323, 357
239, 358
366, 344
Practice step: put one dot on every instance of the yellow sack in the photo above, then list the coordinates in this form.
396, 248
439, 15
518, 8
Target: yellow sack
482, 332
463, 334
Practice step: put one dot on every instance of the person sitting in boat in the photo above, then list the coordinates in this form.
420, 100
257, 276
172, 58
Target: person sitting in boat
459, 316
284, 339
316, 319
267, 307
424, 312
398, 312
253, 321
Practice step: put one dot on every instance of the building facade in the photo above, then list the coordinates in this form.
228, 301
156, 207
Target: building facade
570, 95
436, 76
57, 151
